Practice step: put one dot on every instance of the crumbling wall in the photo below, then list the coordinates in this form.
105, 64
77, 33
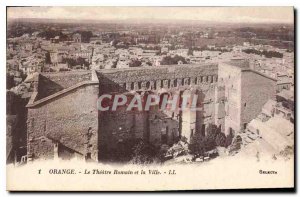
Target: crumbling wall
163, 129
121, 125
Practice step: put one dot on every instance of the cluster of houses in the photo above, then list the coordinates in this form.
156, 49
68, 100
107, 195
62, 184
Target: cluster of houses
30, 53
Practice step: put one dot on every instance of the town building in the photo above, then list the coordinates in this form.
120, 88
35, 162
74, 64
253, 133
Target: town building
77, 38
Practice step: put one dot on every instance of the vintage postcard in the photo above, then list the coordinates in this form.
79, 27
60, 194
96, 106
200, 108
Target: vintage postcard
150, 98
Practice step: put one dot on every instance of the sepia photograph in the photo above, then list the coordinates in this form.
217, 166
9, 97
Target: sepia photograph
109, 98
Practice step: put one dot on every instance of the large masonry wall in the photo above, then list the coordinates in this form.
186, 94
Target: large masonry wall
155, 78
257, 89
63, 120
157, 127
229, 97
70, 119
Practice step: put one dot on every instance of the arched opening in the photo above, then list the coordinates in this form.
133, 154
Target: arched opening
132, 86
148, 84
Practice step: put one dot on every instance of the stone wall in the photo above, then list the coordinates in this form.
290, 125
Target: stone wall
157, 127
242, 93
70, 119
155, 78
229, 97
16, 116
256, 90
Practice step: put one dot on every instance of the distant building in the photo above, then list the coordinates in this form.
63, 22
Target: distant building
31, 64
27, 46
55, 39
283, 83
77, 38
286, 98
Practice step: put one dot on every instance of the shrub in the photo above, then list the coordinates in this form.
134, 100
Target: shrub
168, 60
144, 153
135, 63
200, 144
228, 140
221, 139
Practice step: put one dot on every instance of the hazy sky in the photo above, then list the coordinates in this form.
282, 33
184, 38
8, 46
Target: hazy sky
216, 14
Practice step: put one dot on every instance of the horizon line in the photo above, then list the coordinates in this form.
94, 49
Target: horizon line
153, 19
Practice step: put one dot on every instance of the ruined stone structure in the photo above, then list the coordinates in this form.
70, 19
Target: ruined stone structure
63, 119
157, 127
241, 94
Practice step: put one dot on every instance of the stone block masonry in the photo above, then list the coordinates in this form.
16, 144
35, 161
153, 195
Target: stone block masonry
63, 120
69, 120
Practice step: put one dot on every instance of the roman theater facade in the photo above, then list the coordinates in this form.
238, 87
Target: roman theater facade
63, 119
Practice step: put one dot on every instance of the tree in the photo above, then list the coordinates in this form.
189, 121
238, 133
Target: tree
135, 63
228, 140
190, 52
73, 62
144, 153
221, 139
85, 36
149, 63
70, 61
209, 139
214, 137
197, 145
267, 54
168, 60
50, 33
82, 61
